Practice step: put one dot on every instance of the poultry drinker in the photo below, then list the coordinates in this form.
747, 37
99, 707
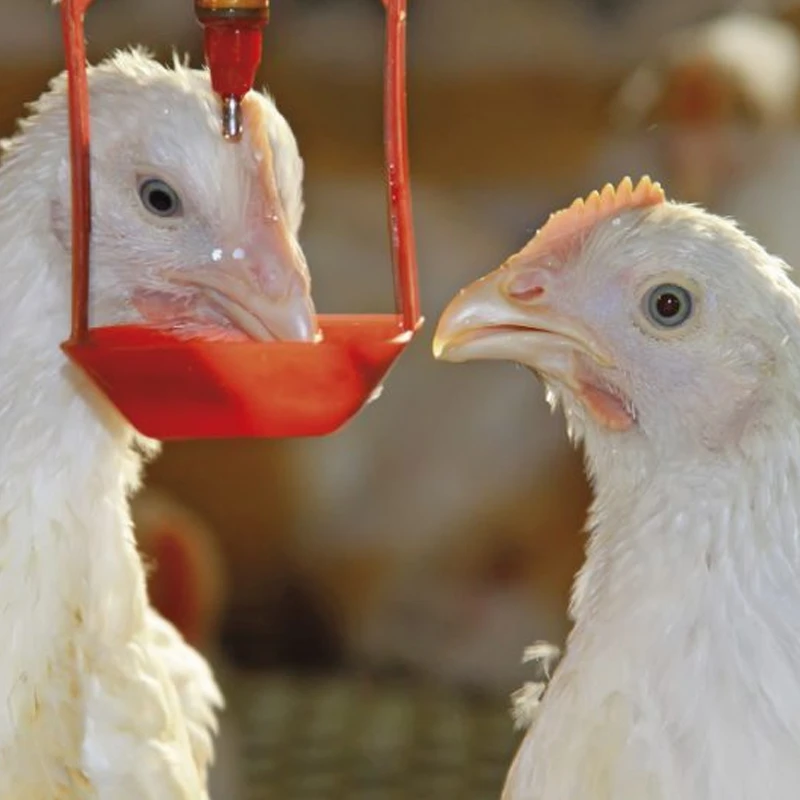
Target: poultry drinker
169, 387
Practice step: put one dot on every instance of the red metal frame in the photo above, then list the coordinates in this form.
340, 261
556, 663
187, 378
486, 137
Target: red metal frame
170, 388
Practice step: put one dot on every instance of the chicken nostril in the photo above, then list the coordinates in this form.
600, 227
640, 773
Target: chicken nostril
525, 287
528, 294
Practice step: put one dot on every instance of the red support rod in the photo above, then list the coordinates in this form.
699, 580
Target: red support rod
401, 228
72, 12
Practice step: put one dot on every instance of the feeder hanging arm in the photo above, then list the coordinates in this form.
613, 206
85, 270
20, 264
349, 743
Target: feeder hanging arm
169, 387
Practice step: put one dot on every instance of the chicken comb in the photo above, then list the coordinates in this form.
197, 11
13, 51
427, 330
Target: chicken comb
564, 228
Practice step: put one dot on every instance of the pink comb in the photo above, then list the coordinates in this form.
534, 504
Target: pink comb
564, 228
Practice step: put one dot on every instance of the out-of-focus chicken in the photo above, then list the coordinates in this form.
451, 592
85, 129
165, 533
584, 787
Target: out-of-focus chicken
672, 340
103, 697
709, 108
714, 114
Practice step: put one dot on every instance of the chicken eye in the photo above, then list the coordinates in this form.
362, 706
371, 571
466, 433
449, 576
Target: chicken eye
668, 305
159, 198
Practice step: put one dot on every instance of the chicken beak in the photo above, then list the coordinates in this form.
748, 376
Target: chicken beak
491, 320
261, 285
264, 287
485, 321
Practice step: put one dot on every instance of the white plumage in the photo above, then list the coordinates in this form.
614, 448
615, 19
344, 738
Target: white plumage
103, 699
673, 340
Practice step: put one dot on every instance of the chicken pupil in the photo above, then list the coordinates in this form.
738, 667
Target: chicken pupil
160, 200
668, 305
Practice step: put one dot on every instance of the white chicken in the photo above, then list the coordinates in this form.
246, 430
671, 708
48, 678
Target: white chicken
710, 108
673, 341
103, 699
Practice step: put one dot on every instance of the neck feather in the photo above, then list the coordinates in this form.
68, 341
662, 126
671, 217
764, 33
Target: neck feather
71, 582
676, 540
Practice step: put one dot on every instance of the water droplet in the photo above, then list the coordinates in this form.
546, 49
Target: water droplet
216, 254
377, 392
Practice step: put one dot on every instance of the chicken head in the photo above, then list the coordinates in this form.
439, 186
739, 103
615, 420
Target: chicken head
642, 316
713, 98
189, 232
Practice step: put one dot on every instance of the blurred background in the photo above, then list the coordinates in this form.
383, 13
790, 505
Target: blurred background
366, 597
